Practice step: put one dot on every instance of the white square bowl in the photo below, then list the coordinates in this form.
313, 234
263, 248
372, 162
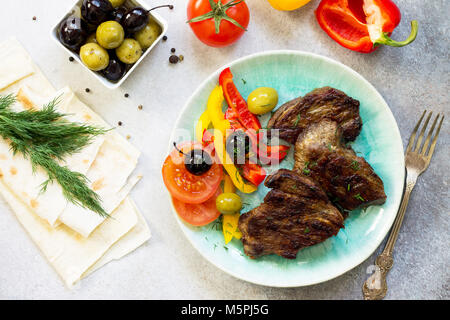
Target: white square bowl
75, 10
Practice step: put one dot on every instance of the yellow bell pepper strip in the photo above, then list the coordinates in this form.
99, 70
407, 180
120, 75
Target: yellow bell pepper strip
230, 221
288, 5
203, 123
214, 108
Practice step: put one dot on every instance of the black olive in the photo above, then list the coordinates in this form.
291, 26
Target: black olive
96, 11
115, 70
198, 162
135, 19
118, 14
73, 32
238, 146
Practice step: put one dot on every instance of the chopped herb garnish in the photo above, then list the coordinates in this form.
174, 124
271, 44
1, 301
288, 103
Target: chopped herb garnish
297, 120
307, 230
306, 171
348, 186
244, 82
358, 196
355, 165
329, 146
225, 247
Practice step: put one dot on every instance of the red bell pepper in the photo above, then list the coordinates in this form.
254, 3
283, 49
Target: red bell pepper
253, 173
362, 25
236, 102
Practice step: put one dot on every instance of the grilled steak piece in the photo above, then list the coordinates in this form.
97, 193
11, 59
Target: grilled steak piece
324, 103
295, 214
347, 179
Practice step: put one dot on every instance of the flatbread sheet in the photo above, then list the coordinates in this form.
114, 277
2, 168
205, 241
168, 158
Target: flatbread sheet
70, 254
113, 185
128, 243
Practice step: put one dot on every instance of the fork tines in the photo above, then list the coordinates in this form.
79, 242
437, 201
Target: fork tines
423, 151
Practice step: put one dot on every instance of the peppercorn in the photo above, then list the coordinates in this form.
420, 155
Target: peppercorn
174, 59
71, 59
88, 90
126, 95
119, 123
34, 18
140, 107
164, 38
173, 50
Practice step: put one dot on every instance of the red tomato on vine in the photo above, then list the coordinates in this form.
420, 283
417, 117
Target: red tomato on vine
218, 23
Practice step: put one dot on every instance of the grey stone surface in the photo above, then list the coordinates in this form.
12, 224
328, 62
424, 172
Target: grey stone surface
168, 267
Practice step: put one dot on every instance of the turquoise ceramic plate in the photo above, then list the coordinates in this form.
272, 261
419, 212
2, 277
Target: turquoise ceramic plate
293, 74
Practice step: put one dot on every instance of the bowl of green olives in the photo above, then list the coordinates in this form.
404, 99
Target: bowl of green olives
110, 37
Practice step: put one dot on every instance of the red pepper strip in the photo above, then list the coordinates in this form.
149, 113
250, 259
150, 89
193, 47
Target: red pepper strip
274, 153
236, 102
362, 25
207, 139
253, 173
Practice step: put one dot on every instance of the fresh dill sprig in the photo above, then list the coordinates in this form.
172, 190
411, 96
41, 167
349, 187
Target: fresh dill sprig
45, 138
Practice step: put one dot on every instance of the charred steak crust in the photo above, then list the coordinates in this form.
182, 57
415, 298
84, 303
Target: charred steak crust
295, 214
348, 180
323, 103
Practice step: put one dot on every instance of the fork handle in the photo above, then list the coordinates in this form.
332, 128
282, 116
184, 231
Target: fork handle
375, 287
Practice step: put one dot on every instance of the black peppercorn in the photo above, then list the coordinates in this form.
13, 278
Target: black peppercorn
34, 18
174, 59
119, 123
71, 59
126, 95
88, 90
164, 38
173, 50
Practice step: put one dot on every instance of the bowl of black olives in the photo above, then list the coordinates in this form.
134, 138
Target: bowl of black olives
110, 37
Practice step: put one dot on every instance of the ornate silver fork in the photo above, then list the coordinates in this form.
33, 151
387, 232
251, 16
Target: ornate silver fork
417, 161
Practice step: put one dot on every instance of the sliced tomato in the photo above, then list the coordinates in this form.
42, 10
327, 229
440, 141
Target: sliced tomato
183, 185
198, 214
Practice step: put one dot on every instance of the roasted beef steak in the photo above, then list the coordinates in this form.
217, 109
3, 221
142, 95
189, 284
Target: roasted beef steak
295, 214
324, 103
302, 208
347, 179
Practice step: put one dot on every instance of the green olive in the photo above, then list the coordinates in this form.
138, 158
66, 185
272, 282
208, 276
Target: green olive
116, 3
129, 51
148, 35
262, 100
228, 203
110, 34
92, 38
94, 57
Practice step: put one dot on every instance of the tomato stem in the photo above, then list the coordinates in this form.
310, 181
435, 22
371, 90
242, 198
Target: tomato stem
218, 13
